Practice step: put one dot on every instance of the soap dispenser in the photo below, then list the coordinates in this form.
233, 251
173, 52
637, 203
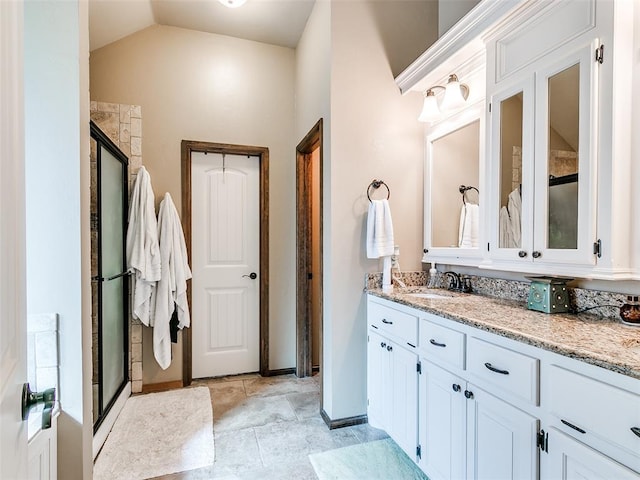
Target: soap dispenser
630, 311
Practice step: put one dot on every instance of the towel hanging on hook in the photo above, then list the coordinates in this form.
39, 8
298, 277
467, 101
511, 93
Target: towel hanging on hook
375, 184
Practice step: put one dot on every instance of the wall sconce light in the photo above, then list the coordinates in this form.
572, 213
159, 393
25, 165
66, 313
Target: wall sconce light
455, 96
233, 3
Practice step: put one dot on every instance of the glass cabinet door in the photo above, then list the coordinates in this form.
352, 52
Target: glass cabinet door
564, 195
512, 157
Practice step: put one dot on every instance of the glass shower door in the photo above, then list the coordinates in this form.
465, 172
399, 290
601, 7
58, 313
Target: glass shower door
111, 279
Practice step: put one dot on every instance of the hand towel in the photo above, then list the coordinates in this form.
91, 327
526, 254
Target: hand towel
515, 213
171, 291
143, 251
379, 230
468, 233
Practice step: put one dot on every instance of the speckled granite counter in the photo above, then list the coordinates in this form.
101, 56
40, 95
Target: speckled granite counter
602, 342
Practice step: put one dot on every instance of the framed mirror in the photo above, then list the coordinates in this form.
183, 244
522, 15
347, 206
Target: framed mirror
453, 186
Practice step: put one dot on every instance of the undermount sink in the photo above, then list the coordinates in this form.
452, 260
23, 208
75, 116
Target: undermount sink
427, 295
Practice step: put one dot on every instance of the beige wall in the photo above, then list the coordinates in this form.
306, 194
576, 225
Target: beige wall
200, 86
374, 134
316, 225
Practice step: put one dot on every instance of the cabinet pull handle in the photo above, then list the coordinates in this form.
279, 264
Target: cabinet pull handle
536, 254
522, 254
389, 348
468, 394
388, 322
436, 344
636, 430
496, 370
382, 344
456, 387
571, 425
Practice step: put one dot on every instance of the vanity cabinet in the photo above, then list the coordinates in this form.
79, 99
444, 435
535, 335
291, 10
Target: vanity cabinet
392, 373
467, 429
482, 406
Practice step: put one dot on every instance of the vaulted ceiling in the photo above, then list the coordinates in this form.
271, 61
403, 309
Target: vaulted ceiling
277, 22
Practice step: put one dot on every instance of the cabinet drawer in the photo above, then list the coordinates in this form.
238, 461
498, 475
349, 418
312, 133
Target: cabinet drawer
388, 320
595, 407
510, 371
442, 343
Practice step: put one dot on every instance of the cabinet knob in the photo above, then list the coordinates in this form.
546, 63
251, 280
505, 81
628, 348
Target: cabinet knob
425, 251
456, 387
382, 344
468, 394
536, 254
522, 254
389, 348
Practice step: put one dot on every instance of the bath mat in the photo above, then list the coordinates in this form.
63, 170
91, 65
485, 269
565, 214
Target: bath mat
381, 459
157, 434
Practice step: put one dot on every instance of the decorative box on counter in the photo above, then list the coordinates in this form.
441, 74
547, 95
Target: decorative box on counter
549, 294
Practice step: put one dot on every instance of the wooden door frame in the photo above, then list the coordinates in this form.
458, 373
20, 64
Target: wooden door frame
187, 148
311, 141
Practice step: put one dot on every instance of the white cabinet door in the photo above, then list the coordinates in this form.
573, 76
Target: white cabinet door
569, 459
442, 423
378, 388
501, 439
404, 398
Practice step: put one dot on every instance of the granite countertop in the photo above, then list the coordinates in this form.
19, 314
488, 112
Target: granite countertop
603, 342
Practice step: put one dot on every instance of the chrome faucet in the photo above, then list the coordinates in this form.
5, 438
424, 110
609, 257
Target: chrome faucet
458, 283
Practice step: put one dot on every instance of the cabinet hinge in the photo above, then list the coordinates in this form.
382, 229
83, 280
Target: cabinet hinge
600, 54
489, 107
542, 441
488, 246
597, 248
419, 451
419, 367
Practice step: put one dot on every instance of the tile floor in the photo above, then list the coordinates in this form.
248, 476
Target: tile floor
265, 428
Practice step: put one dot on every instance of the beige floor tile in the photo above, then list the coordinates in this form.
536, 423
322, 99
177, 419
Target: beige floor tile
305, 405
252, 412
279, 385
236, 452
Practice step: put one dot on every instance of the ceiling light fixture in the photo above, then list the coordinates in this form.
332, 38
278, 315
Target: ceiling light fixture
233, 3
455, 96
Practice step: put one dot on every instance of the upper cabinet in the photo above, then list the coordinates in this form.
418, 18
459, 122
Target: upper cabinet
543, 126
554, 127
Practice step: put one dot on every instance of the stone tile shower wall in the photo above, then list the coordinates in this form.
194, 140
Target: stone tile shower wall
123, 125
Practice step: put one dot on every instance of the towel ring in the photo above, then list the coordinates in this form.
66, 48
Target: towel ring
463, 189
377, 184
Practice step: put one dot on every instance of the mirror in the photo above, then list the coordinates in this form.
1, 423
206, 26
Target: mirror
562, 158
455, 160
511, 119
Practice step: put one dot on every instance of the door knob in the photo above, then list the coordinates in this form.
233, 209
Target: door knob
522, 254
252, 275
30, 399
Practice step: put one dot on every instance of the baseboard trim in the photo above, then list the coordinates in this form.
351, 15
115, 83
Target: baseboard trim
161, 387
281, 371
342, 422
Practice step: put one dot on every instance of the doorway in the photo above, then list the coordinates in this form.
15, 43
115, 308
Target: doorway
229, 170
309, 252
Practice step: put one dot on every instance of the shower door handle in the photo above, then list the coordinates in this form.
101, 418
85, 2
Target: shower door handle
126, 272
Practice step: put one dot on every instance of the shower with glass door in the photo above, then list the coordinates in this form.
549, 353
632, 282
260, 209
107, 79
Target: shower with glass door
110, 281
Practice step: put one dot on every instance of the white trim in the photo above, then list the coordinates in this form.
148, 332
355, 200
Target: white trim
103, 432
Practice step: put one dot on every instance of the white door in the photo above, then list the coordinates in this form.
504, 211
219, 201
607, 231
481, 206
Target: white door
404, 398
225, 242
442, 423
13, 358
501, 443
569, 459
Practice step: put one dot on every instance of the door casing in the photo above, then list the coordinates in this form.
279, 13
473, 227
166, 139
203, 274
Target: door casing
311, 142
262, 153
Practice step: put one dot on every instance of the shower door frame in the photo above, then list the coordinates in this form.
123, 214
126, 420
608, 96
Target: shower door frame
103, 140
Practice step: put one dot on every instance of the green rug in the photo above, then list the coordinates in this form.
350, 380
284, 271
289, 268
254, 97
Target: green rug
382, 459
